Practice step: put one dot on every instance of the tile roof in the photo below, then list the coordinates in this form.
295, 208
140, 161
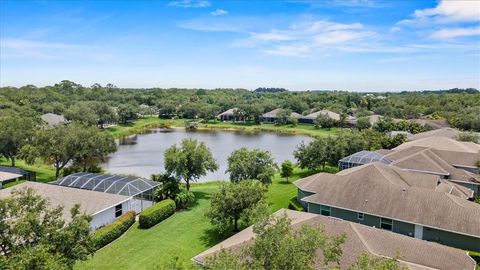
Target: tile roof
414, 253
374, 189
90, 202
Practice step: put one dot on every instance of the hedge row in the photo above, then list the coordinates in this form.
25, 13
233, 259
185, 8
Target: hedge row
156, 213
112, 231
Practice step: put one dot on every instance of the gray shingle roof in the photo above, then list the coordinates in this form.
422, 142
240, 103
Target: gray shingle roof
53, 119
377, 190
414, 253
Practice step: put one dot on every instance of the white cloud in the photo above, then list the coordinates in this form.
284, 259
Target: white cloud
455, 32
446, 12
189, 3
219, 12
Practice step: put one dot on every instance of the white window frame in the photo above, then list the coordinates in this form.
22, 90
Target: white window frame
362, 216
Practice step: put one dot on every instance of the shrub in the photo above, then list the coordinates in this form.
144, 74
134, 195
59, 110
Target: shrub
295, 205
107, 234
156, 213
184, 198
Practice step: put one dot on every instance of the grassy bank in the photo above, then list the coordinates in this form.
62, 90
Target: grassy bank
184, 234
144, 124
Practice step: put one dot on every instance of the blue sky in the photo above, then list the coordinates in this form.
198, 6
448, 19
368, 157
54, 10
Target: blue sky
355, 45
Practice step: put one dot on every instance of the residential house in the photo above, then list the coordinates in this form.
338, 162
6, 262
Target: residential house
104, 208
310, 118
413, 253
53, 119
396, 200
228, 115
272, 116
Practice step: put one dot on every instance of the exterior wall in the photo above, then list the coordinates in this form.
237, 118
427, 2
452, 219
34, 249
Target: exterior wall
443, 237
474, 187
451, 239
302, 194
305, 120
469, 169
108, 216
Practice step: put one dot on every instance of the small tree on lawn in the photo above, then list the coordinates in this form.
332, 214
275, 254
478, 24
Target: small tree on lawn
189, 161
287, 169
251, 164
234, 202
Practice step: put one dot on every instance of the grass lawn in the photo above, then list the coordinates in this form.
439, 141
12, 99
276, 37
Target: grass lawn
154, 122
185, 234
44, 172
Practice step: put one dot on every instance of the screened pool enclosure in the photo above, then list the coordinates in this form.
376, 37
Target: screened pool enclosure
361, 158
142, 190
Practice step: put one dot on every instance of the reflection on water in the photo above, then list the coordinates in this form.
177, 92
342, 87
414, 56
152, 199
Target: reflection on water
142, 154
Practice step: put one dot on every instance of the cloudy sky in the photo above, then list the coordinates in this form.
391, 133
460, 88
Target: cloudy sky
356, 45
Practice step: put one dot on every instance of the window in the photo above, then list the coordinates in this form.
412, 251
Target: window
360, 216
118, 210
386, 224
325, 210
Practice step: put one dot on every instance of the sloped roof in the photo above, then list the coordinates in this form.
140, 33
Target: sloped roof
115, 184
414, 253
435, 124
272, 113
53, 119
429, 160
374, 118
5, 176
328, 113
448, 132
442, 143
90, 202
373, 191
13, 170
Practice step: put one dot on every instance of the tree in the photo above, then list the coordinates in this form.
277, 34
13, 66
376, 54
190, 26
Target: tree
127, 113
287, 169
33, 235
363, 123
389, 142
15, 132
94, 147
367, 262
169, 187
189, 161
251, 164
323, 121
234, 202
468, 137
278, 246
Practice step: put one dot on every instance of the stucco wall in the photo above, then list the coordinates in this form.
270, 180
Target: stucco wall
107, 216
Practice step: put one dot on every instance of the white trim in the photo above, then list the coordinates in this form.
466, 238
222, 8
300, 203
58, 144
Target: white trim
405, 221
106, 208
380, 224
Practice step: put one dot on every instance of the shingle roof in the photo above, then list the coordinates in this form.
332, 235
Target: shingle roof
442, 143
377, 191
53, 119
429, 160
328, 113
414, 253
448, 132
13, 170
272, 113
90, 202
228, 112
4, 176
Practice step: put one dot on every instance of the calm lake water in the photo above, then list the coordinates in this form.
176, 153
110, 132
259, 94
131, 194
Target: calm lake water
142, 154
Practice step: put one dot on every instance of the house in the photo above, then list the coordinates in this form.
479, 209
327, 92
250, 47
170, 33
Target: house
374, 118
442, 143
104, 208
10, 174
395, 200
272, 116
394, 133
228, 115
448, 132
53, 119
310, 118
414, 253
142, 190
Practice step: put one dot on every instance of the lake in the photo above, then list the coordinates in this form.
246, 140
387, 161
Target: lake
142, 154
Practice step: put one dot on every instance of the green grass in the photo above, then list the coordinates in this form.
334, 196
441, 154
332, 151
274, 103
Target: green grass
185, 234
143, 124
44, 172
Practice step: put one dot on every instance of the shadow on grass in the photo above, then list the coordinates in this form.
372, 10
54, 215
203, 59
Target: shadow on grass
199, 195
212, 236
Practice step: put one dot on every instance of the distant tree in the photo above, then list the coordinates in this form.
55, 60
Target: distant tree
93, 148
83, 113
469, 137
282, 116
33, 235
15, 133
363, 123
166, 109
388, 142
313, 155
255, 164
287, 169
234, 202
189, 161
292, 121
127, 113
270, 90
323, 121
278, 246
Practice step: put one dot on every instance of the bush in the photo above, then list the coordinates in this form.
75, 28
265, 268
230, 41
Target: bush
156, 213
475, 256
184, 198
107, 234
295, 205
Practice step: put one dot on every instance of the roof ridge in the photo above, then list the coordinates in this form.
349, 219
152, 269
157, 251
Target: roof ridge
386, 177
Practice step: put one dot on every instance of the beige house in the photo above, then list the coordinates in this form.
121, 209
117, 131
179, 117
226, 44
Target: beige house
414, 253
